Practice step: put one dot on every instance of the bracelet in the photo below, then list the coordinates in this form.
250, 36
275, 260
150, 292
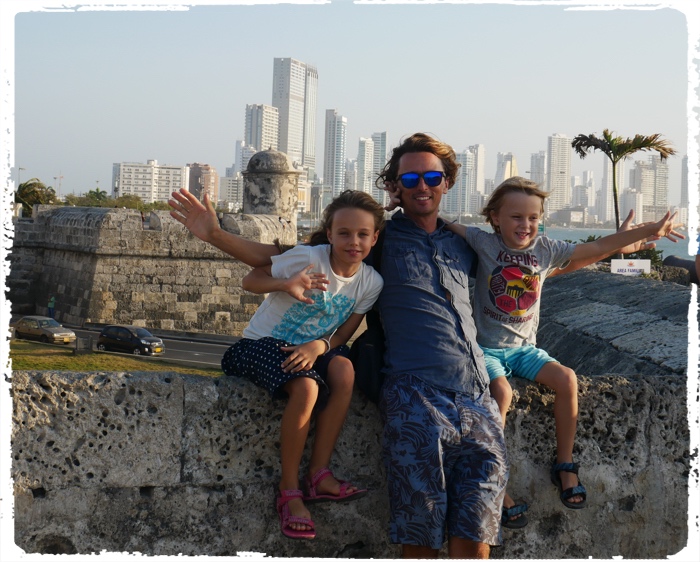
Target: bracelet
328, 344
328, 340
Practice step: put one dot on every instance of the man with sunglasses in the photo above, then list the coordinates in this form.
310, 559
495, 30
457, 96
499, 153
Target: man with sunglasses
443, 439
443, 444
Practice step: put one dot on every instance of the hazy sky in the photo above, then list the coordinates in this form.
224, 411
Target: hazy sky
97, 87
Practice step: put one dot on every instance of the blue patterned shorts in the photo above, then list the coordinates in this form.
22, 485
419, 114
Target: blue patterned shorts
260, 361
445, 458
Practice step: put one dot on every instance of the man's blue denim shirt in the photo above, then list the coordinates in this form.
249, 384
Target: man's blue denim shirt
425, 308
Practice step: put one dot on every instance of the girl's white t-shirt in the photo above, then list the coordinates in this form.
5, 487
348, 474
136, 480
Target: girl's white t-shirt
283, 317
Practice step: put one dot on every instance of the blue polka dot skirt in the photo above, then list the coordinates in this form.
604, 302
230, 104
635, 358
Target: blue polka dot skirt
260, 361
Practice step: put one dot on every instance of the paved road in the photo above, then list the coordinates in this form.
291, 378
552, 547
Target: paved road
185, 350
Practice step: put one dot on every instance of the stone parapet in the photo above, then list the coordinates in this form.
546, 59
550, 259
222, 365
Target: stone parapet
167, 464
174, 464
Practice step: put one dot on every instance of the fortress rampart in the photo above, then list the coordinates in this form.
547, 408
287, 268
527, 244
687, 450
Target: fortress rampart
118, 266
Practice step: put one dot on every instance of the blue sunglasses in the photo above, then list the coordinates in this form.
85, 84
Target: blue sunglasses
410, 179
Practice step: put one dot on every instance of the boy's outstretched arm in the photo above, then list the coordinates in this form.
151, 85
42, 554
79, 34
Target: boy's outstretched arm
260, 281
201, 220
625, 239
644, 244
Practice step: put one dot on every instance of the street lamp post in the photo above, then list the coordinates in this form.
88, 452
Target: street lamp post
58, 179
19, 178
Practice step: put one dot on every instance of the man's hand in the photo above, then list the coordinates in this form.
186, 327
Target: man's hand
198, 217
305, 281
394, 196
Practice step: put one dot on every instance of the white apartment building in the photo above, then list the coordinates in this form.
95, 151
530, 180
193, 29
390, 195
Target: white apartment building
538, 168
243, 155
294, 93
579, 195
308, 159
506, 167
334, 152
558, 172
589, 181
650, 178
365, 165
150, 181
351, 175
479, 174
261, 126
380, 160
631, 199
231, 193
456, 201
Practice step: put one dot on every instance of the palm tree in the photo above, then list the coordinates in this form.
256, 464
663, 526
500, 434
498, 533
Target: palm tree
34, 192
97, 194
616, 149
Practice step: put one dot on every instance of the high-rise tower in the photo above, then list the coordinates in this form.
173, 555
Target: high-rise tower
558, 172
506, 167
334, 152
261, 126
294, 88
651, 180
538, 168
365, 165
379, 140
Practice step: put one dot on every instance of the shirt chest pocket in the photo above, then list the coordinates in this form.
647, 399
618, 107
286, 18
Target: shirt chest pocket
456, 266
404, 264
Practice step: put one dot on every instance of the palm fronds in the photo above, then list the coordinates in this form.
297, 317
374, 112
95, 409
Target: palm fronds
617, 148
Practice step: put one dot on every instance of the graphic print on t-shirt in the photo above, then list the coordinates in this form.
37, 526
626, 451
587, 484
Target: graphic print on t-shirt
513, 289
305, 322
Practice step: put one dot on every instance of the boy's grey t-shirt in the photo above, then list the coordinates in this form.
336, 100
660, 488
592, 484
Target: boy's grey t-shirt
508, 286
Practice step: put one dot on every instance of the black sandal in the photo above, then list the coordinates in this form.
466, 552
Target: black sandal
566, 495
512, 511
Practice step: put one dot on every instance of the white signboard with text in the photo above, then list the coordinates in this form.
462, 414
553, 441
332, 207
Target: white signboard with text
630, 267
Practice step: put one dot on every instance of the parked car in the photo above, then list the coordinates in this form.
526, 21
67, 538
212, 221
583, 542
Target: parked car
44, 329
129, 339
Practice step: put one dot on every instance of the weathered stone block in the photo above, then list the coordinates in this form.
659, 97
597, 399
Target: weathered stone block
106, 429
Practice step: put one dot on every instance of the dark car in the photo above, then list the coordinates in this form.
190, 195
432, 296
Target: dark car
44, 329
129, 339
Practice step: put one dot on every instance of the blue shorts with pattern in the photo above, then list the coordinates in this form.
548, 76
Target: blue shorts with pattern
260, 361
445, 458
524, 362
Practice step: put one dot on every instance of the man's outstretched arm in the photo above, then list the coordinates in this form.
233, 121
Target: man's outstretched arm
201, 220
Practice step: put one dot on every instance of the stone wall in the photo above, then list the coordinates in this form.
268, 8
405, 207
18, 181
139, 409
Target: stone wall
169, 464
110, 266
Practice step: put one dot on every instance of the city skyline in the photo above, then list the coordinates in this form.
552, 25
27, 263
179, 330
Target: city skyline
533, 71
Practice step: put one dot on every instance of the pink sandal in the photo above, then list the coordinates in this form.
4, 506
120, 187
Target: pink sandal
314, 497
286, 518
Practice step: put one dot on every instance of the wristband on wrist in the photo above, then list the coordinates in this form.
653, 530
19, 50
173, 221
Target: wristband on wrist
328, 344
328, 341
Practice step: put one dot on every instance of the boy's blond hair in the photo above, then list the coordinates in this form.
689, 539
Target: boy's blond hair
516, 184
